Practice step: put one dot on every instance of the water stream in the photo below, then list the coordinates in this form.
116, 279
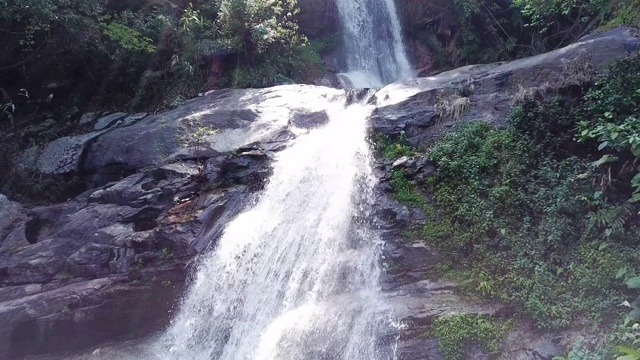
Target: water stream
373, 43
295, 276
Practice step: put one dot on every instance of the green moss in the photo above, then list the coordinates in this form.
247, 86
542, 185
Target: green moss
405, 190
529, 215
455, 332
394, 149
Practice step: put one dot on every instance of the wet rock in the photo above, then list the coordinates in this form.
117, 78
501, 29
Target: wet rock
133, 242
330, 79
86, 313
424, 108
305, 120
90, 261
108, 121
234, 118
220, 209
60, 156
87, 118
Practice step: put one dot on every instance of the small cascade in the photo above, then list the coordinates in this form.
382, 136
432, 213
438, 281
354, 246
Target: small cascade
373, 44
296, 275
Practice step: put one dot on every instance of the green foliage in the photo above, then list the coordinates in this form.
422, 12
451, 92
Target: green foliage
482, 31
580, 351
483, 37
128, 38
393, 150
148, 56
454, 332
530, 217
405, 190
611, 116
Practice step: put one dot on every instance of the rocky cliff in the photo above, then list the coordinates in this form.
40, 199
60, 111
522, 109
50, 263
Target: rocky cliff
112, 262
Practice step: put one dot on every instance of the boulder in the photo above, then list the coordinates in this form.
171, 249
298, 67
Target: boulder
108, 121
219, 121
110, 263
424, 108
87, 118
61, 156
12, 215
84, 313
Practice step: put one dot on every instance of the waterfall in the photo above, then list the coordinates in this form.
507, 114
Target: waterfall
373, 43
294, 276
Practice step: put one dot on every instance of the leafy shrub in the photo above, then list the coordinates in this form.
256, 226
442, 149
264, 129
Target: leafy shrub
530, 215
454, 332
394, 149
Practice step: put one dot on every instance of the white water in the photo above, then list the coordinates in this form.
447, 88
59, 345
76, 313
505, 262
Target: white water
295, 276
373, 39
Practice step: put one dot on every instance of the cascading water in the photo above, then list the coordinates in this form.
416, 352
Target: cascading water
373, 43
295, 276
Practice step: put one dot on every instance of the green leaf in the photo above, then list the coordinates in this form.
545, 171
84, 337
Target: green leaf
629, 351
603, 145
633, 283
627, 357
620, 274
605, 160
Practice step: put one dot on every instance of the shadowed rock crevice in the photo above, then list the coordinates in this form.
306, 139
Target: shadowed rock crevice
32, 230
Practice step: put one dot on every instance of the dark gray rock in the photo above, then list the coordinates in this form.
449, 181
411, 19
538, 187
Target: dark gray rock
306, 120
86, 313
131, 119
220, 209
63, 155
109, 120
87, 118
133, 237
12, 215
39, 129
91, 261
233, 119
424, 108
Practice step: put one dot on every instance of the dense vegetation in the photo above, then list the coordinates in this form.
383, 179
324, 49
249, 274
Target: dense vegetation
463, 32
146, 54
544, 213
63, 58
455, 331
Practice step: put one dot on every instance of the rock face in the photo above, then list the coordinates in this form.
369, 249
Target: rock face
217, 122
318, 18
109, 263
423, 108
112, 262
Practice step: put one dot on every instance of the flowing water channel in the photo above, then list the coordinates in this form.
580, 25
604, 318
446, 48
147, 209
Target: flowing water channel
295, 276
374, 49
